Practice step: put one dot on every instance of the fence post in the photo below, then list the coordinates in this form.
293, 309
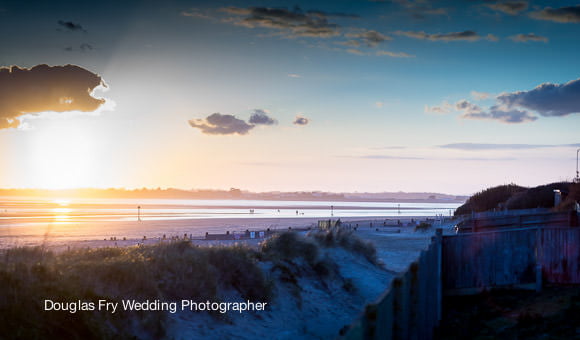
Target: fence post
538, 254
439, 284
414, 295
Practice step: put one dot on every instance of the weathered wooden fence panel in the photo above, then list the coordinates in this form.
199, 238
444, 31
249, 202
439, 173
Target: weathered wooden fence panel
489, 259
559, 254
518, 219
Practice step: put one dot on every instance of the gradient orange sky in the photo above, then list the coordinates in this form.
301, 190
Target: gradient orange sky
337, 96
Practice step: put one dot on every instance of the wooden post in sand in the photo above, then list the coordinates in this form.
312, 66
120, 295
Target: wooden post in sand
439, 249
139, 213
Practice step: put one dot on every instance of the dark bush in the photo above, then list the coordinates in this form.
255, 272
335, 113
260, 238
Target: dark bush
489, 199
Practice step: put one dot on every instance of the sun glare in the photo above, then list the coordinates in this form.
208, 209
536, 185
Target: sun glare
61, 202
61, 158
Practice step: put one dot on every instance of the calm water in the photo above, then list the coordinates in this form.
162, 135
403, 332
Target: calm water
63, 222
17, 211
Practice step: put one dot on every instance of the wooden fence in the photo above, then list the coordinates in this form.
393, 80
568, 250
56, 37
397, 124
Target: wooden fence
518, 219
411, 306
466, 264
559, 254
475, 261
521, 257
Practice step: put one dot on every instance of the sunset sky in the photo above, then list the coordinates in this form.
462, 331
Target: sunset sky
443, 96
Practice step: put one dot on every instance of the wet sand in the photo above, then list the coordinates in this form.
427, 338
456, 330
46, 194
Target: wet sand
59, 235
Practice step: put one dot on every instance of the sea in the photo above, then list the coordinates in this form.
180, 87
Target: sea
31, 220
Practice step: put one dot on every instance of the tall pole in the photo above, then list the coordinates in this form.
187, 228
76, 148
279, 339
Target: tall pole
577, 180
139, 213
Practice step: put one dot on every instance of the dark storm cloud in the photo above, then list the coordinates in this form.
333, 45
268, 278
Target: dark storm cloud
512, 7
546, 99
569, 14
295, 23
260, 117
528, 37
299, 120
218, 124
46, 88
71, 26
453, 36
488, 146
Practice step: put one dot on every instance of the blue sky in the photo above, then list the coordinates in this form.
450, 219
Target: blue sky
378, 87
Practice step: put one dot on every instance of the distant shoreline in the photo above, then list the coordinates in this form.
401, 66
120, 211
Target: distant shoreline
236, 194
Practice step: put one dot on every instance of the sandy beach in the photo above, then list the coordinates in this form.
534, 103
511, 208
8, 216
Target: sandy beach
62, 235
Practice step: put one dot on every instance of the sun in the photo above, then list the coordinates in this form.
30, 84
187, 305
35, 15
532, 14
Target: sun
61, 158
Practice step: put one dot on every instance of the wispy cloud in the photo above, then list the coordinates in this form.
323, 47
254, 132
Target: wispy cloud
294, 75
570, 14
295, 23
443, 108
421, 12
370, 38
388, 157
430, 158
355, 51
71, 26
496, 113
195, 13
509, 7
394, 54
480, 95
489, 146
528, 37
469, 35
393, 147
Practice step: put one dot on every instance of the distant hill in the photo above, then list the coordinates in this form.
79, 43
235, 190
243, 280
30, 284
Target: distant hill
235, 193
513, 196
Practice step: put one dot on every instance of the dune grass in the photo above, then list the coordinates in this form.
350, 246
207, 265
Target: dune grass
168, 272
340, 237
